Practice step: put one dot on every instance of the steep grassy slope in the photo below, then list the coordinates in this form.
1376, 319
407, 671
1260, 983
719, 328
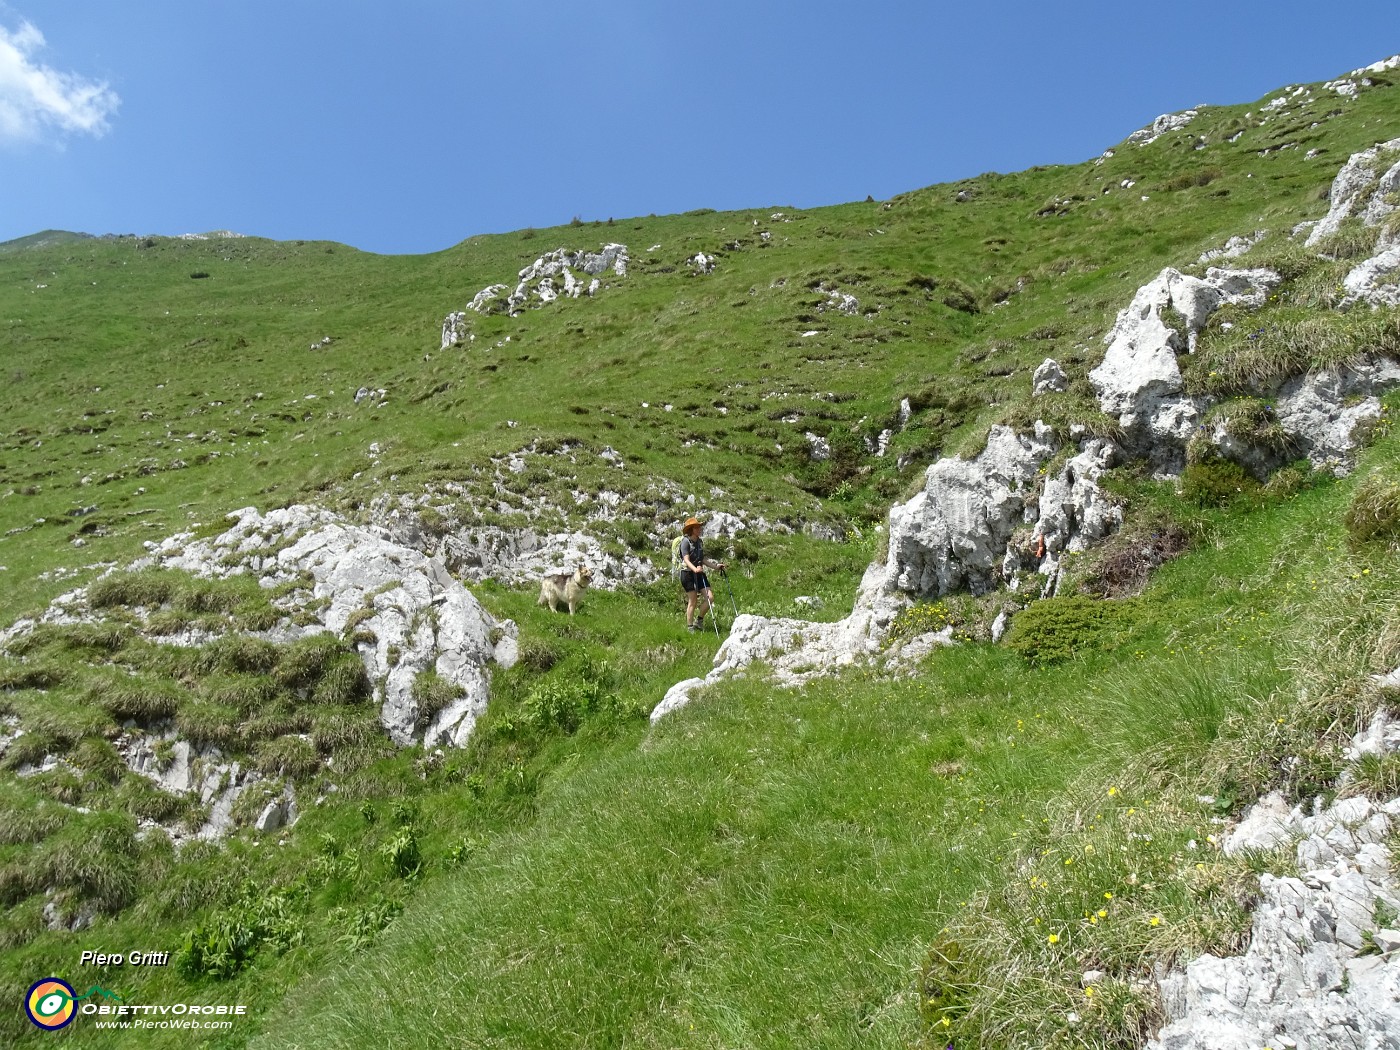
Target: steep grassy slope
844, 865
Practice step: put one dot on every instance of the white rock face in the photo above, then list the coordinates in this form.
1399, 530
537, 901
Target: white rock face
1139, 380
798, 650
517, 557
1350, 85
954, 533
207, 772
1234, 247
454, 329
1352, 187
1049, 378
841, 302
1167, 122
1322, 410
549, 278
1375, 281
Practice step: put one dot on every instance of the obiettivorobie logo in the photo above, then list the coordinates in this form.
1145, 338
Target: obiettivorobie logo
52, 1004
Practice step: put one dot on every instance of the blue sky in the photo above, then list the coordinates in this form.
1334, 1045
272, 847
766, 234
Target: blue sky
407, 127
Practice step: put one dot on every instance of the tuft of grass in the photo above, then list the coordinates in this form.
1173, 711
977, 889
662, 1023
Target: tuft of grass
287, 756
145, 700
1373, 514
149, 589
431, 694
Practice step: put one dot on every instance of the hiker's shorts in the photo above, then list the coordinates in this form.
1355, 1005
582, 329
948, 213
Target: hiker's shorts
694, 581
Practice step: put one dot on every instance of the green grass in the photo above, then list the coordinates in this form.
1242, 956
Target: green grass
864, 861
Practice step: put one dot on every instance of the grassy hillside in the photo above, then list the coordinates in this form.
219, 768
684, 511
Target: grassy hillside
932, 859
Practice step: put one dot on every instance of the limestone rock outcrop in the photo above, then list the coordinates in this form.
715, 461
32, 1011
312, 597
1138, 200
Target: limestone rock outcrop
1166, 123
1322, 968
1049, 378
419, 616
1139, 380
953, 534
1357, 190
556, 274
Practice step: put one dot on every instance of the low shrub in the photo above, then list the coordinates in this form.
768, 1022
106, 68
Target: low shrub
539, 655
229, 941
1058, 629
402, 854
927, 618
1216, 483
1121, 567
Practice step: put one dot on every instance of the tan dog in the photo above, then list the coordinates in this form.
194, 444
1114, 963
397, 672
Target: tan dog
565, 587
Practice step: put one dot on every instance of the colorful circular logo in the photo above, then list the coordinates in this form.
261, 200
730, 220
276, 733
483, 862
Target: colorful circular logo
49, 1003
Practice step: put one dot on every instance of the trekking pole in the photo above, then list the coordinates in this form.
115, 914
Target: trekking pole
730, 588
714, 613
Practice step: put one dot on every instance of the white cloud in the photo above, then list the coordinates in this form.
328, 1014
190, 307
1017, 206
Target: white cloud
35, 98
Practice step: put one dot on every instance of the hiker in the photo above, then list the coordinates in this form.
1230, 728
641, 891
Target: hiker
698, 596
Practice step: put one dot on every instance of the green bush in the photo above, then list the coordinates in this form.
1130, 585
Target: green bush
928, 617
1216, 483
539, 655
558, 704
1057, 629
229, 942
401, 852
